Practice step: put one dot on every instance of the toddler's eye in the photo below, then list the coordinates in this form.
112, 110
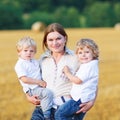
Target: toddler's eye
87, 51
31, 50
79, 52
25, 50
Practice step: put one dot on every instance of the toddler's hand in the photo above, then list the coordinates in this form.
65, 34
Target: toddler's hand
66, 69
42, 83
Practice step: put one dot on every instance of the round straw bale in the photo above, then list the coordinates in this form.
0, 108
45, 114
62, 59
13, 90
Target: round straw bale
38, 26
117, 26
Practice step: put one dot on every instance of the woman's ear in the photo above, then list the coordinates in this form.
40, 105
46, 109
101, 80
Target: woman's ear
65, 39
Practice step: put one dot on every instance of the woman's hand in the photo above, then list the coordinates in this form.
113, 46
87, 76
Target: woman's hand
84, 107
33, 99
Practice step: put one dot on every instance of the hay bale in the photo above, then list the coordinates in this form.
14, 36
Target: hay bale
38, 26
117, 26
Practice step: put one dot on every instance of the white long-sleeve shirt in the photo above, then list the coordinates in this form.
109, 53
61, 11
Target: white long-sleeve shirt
53, 75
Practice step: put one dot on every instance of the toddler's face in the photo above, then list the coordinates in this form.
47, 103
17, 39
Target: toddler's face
27, 53
85, 55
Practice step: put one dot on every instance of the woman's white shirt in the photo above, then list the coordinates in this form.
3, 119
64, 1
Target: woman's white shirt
53, 75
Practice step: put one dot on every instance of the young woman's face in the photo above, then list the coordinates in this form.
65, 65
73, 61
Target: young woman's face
85, 55
27, 53
56, 42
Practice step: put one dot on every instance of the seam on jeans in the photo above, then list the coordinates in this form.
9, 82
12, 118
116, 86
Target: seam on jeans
63, 99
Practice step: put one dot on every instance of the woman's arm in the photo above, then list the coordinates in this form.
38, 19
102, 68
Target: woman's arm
33, 99
87, 106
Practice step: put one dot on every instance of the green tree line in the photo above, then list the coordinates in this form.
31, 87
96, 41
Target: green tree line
21, 14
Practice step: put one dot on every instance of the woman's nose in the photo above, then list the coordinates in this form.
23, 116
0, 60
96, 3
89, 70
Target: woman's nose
54, 42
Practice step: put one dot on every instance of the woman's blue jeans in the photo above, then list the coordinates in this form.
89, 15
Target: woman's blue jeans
37, 114
68, 110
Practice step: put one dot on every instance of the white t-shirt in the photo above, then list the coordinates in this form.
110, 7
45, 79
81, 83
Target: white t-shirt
30, 69
86, 91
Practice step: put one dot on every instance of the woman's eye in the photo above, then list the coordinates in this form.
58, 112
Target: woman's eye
50, 39
59, 38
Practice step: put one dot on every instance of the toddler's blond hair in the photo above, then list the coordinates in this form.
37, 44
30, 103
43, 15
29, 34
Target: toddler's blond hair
90, 44
26, 42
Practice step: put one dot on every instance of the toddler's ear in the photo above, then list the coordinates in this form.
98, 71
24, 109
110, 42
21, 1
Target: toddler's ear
19, 53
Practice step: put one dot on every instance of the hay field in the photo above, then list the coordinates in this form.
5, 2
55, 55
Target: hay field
13, 103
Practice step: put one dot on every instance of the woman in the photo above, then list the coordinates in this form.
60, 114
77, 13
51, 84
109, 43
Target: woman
52, 63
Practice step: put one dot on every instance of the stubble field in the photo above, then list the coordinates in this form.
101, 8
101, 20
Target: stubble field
13, 103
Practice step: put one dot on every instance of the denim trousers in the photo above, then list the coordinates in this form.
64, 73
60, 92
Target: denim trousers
68, 110
37, 114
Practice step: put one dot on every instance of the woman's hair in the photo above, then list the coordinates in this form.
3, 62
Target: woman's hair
89, 44
54, 27
26, 42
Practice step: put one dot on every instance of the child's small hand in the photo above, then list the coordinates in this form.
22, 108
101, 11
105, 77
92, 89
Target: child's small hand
66, 69
42, 83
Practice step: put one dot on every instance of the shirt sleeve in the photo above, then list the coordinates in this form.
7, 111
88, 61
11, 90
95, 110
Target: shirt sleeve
87, 71
20, 70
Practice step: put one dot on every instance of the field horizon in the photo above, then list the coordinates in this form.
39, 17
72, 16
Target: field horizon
14, 105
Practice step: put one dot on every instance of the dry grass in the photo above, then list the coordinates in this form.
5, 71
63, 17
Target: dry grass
13, 104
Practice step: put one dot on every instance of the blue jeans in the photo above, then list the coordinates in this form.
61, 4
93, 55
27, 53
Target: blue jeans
37, 114
68, 110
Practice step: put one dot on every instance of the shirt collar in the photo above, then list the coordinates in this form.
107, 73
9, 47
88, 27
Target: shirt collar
31, 60
48, 53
